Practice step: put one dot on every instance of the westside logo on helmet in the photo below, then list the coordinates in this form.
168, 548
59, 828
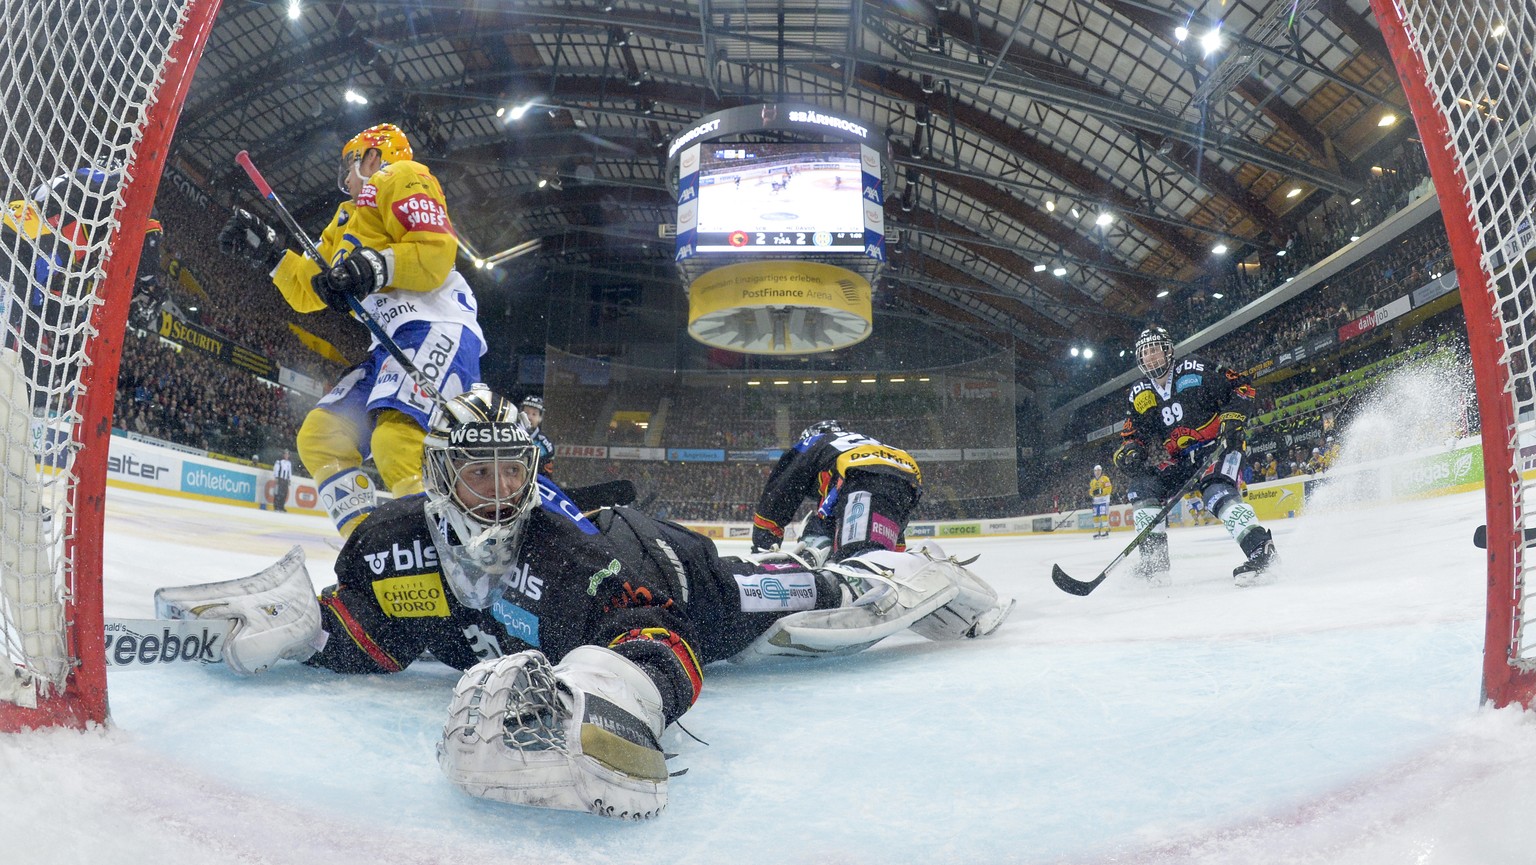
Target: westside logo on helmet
482, 434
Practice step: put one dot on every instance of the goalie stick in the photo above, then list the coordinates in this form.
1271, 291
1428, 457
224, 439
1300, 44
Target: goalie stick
1480, 537
1078, 587
426, 387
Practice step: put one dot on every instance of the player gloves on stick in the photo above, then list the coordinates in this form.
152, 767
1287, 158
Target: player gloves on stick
248, 238
357, 276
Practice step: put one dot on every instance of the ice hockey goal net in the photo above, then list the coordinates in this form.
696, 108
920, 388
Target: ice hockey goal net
1466, 67
89, 94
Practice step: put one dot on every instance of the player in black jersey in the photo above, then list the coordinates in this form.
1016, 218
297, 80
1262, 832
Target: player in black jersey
864, 493
583, 634
533, 421
1178, 414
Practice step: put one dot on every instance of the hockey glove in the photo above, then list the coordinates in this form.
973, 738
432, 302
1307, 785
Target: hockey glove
1232, 431
247, 237
357, 276
1129, 456
581, 736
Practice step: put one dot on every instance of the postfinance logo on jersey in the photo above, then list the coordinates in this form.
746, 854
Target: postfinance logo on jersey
415, 596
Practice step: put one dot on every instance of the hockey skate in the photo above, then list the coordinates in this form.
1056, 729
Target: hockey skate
1153, 565
1259, 569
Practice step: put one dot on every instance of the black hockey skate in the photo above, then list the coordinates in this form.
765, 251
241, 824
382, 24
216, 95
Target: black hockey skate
1259, 569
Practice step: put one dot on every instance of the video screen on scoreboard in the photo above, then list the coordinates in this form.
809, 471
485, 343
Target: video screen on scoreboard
780, 198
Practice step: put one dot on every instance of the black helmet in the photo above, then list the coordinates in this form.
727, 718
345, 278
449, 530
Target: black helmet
1154, 336
821, 426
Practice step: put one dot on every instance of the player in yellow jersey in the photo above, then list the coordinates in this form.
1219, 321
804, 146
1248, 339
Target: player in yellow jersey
1100, 489
392, 248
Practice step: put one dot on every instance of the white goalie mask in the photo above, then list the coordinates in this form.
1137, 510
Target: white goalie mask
478, 470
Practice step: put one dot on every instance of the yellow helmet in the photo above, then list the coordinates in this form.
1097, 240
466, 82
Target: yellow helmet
386, 138
23, 218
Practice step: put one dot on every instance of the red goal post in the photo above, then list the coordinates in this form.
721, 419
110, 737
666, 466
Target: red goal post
1466, 67
89, 99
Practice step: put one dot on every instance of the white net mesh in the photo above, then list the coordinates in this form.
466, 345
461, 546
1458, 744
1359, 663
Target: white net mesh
77, 78
1477, 63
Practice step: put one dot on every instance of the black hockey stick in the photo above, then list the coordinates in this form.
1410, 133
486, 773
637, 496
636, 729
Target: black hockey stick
427, 388
1070, 515
1480, 537
1078, 587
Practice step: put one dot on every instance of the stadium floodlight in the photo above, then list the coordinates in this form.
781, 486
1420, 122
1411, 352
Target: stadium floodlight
1103, 219
354, 97
1219, 249
1059, 271
1210, 43
1039, 268
1181, 33
295, 11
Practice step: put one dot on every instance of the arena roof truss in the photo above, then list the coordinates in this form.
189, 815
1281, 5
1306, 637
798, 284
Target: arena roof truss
1014, 126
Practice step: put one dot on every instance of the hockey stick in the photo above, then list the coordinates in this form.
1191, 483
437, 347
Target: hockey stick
1070, 515
426, 387
1480, 537
1078, 587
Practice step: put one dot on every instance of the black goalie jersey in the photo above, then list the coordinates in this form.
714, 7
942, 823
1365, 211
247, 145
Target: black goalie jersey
618, 580
1186, 413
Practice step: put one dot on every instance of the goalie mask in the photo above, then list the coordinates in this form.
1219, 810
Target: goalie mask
1154, 352
478, 470
386, 138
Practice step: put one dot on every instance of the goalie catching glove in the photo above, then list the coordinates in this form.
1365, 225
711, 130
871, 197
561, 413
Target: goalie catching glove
356, 276
580, 736
276, 614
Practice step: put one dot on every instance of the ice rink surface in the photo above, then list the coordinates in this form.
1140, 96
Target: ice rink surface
1329, 718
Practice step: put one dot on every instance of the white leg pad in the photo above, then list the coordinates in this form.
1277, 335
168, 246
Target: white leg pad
976, 610
900, 589
582, 736
276, 613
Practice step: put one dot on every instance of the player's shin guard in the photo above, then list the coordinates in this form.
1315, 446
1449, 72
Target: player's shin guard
348, 496
1153, 566
976, 610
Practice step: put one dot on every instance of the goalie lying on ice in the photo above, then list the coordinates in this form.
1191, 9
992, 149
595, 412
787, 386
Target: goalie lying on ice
582, 635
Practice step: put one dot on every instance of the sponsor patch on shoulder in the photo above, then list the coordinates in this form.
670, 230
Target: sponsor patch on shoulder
1144, 402
1186, 381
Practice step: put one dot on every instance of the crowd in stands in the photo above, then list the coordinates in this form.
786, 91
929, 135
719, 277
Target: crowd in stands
241, 304
190, 398
1392, 185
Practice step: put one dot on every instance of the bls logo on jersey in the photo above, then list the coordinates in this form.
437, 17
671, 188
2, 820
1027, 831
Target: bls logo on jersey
524, 583
404, 559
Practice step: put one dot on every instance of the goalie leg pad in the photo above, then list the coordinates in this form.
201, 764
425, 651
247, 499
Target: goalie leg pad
581, 736
893, 591
276, 613
976, 610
